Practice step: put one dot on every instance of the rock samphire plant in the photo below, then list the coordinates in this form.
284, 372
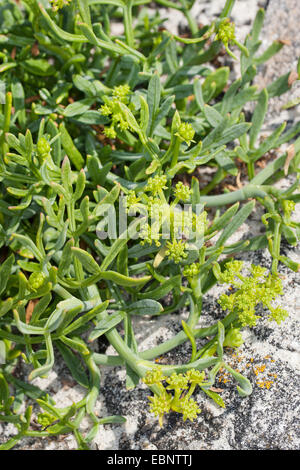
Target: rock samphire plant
104, 139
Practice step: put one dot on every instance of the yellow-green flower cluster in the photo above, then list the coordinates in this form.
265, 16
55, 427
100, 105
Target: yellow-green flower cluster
111, 109
150, 234
36, 280
191, 270
277, 314
59, 4
156, 184
121, 93
190, 409
106, 110
176, 381
132, 199
45, 419
195, 376
110, 132
176, 250
186, 132
288, 207
182, 192
226, 34
232, 271
258, 288
179, 400
226, 31
160, 405
154, 376
43, 149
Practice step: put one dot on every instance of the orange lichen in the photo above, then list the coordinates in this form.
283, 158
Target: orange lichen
265, 384
259, 369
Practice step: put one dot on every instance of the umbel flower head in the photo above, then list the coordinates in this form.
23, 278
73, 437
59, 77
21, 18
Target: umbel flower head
43, 149
195, 376
259, 287
186, 132
177, 381
106, 109
178, 399
154, 376
110, 132
121, 93
150, 234
132, 199
59, 4
156, 184
192, 270
176, 250
288, 208
36, 280
111, 109
45, 419
190, 409
226, 31
160, 404
182, 192
226, 34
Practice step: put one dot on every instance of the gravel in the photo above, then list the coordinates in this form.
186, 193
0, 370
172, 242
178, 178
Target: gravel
270, 356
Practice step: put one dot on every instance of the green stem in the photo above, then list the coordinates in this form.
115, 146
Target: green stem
77, 265
196, 306
192, 23
125, 352
276, 247
176, 405
7, 114
35, 434
227, 8
181, 337
249, 191
165, 347
186, 6
191, 390
251, 172
128, 23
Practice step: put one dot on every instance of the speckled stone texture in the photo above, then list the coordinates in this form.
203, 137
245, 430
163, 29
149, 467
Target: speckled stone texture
270, 356
282, 22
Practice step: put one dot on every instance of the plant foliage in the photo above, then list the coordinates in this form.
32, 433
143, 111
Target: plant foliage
90, 117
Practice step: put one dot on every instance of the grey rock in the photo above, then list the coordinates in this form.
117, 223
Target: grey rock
282, 23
